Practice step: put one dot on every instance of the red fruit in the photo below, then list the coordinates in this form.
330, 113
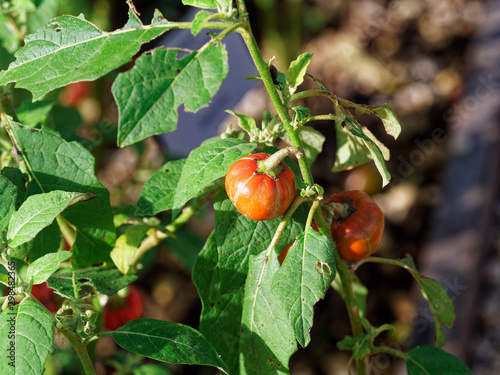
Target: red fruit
44, 294
72, 94
358, 224
120, 310
257, 195
282, 256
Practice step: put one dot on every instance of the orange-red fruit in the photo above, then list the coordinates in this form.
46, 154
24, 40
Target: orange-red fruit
256, 195
359, 234
282, 256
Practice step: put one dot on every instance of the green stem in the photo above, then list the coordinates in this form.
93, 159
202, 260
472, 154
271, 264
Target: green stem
81, 350
385, 349
262, 67
288, 215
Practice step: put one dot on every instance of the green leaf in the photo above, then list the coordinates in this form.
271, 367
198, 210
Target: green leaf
359, 345
429, 360
8, 195
48, 240
65, 121
185, 247
245, 122
389, 119
312, 140
40, 270
440, 303
71, 49
44, 12
168, 342
267, 339
303, 279
27, 332
126, 246
220, 320
32, 114
109, 281
38, 212
55, 164
239, 237
158, 192
223, 5
356, 146
206, 164
297, 70
201, 18
149, 95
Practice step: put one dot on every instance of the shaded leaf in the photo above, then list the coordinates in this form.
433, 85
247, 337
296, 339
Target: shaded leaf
429, 360
159, 190
168, 342
55, 164
109, 281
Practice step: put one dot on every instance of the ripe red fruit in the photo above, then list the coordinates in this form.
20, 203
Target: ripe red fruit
258, 195
358, 224
44, 294
120, 310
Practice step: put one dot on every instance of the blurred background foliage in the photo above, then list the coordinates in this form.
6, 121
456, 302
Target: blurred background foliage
410, 54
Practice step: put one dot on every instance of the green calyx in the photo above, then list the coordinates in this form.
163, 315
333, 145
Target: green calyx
271, 166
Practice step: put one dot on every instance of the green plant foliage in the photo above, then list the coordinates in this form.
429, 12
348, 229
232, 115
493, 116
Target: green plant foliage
148, 95
38, 212
429, 360
206, 164
303, 279
44, 151
68, 282
75, 50
33, 334
40, 270
168, 342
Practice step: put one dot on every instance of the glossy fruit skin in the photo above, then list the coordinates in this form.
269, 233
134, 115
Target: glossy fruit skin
256, 195
119, 311
359, 234
44, 294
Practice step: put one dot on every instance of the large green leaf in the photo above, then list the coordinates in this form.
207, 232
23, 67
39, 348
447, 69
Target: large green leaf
55, 164
303, 279
8, 195
69, 282
149, 95
239, 237
220, 319
72, 49
429, 360
206, 164
27, 332
38, 212
158, 192
48, 240
267, 339
168, 342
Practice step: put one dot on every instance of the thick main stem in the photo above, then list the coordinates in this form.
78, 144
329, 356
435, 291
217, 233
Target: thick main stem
262, 67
